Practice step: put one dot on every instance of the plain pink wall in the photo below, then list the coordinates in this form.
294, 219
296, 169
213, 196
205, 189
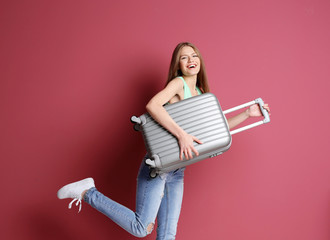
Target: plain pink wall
73, 72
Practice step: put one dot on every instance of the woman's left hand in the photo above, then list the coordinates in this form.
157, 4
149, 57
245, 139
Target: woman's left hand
254, 110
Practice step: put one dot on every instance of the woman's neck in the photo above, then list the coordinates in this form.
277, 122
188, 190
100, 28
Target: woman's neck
190, 79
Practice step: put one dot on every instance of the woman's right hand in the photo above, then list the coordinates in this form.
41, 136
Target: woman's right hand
187, 147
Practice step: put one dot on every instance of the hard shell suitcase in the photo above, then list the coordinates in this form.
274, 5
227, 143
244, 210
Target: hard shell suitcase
200, 116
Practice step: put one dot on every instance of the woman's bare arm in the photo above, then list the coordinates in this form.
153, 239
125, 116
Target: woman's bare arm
253, 111
158, 113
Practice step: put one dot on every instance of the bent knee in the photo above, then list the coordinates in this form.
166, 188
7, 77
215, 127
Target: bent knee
150, 228
145, 232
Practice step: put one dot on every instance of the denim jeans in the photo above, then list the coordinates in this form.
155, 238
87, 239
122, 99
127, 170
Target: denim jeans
159, 197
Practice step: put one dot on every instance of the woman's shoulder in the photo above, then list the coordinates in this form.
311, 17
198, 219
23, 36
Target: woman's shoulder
177, 81
178, 78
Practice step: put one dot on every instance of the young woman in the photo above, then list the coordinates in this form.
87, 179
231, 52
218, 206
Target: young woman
159, 197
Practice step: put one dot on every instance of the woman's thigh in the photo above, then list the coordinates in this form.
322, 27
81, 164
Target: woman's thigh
149, 195
169, 212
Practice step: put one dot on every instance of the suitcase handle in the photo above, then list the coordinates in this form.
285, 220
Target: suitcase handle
263, 111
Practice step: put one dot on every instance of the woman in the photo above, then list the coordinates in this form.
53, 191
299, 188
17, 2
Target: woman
159, 197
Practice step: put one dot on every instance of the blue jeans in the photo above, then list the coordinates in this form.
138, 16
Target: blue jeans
159, 197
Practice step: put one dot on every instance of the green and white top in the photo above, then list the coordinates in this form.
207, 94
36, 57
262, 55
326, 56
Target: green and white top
187, 92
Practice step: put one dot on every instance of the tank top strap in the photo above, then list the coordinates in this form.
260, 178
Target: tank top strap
186, 90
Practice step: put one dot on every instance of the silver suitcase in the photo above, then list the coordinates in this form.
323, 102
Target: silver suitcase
200, 116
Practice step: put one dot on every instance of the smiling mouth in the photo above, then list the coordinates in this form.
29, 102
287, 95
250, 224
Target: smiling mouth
192, 66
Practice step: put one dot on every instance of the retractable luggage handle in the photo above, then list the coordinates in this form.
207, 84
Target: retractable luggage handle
263, 111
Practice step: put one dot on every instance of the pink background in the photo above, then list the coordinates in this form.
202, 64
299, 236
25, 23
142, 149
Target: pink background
73, 73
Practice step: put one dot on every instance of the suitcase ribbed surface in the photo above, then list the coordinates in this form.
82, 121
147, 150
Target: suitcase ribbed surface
200, 116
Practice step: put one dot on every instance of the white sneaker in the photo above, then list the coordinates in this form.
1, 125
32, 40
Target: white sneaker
74, 190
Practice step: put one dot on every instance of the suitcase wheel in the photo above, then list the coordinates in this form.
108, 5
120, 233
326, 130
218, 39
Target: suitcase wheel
136, 127
153, 173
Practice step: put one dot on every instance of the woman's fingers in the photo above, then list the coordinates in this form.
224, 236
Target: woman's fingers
266, 106
197, 140
187, 148
181, 154
195, 151
187, 154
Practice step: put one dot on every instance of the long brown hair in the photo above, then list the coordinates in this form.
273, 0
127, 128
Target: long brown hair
175, 71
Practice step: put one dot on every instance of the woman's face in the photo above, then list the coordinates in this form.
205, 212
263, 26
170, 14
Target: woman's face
189, 61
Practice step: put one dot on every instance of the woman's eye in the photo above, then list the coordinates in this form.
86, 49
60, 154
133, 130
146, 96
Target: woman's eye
195, 55
182, 58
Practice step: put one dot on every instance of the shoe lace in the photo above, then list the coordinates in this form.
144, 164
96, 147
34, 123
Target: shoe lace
77, 203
